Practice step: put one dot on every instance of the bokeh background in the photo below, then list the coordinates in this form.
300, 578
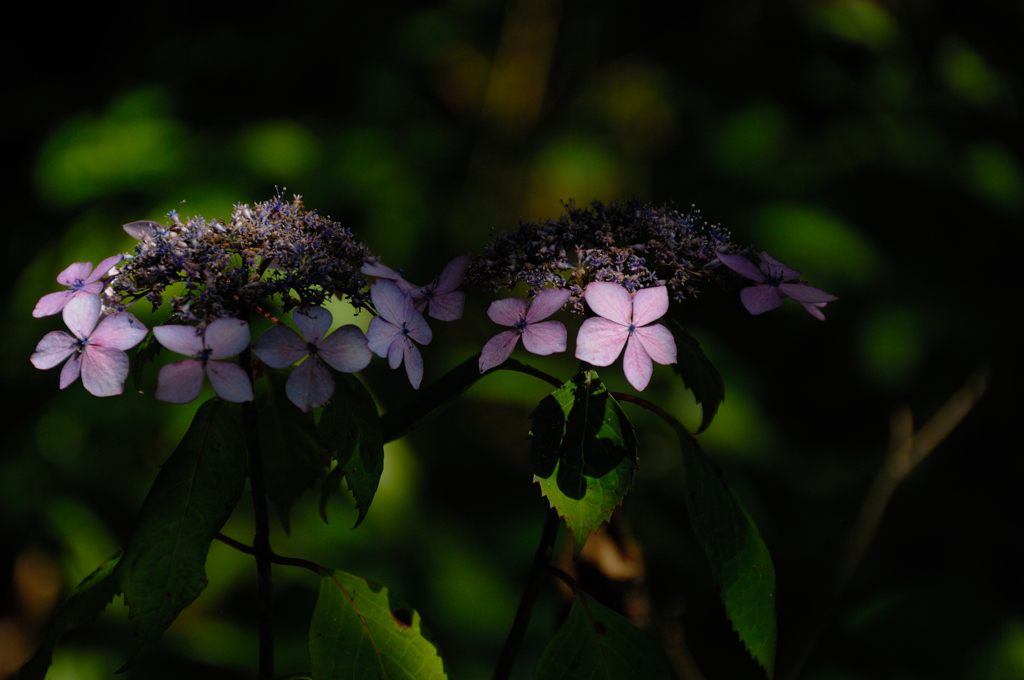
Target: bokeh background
874, 145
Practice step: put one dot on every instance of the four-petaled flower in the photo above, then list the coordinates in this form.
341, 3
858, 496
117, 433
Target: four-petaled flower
441, 298
543, 338
623, 320
392, 333
97, 352
311, 384
81, 279
776, 281
181, 382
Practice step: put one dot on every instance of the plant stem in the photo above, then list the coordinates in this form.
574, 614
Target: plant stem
541, 561
261, 541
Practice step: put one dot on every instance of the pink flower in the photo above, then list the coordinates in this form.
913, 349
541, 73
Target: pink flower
776, 281
97, 352
542, 338
311, 384
181, 382
391, 334
441, 298
81, 279
622, 320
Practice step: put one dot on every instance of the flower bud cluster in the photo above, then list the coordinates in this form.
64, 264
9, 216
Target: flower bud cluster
634, 244
272, 249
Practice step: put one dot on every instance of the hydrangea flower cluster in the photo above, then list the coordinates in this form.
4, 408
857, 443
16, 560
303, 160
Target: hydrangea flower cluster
623, 262
275, 248
634, 244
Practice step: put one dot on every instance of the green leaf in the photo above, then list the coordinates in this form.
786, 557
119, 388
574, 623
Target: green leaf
163, 567
294, 458
596, 642
740, 563
146, 353
351, 427
584, 453
698, 373
84, 604
360, 630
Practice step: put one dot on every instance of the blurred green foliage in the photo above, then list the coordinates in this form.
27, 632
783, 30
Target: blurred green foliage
873, 145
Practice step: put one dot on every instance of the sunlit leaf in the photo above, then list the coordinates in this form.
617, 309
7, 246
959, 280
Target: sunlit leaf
84, 604
294, 458
584, 453
596, 642
698, 373
163, 567
362, 631
350, 426
740, 563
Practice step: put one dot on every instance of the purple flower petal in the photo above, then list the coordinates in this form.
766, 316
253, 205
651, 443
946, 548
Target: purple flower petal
182, 340
312, 322
801, 292
103, 267
447, 307
507, 312
309, 385
72, 369
390, 301
119, 331
55, 347
396, 351
76, 273
760, 299
814, 309
649, 304
280, 347
345, 350
637, 365
776, 271
546, 337
229, 381
741, 265
51, 303
226, 338
498, 349
380, 335
141, 229
658, 343
418, 329
600, 340
375, 267
104, 370
81, 314
546, 303
413, 365
611, 301
180, 382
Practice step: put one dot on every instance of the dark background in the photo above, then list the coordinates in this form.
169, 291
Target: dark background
874, 145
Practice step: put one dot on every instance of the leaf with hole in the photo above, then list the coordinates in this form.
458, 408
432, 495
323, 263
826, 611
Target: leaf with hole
363, 631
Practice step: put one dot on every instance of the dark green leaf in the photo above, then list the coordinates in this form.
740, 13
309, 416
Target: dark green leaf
360, 630
350, 426
698, 373
146, 353
163, 568
294, 458
740, 563
596, 642
584, 453
84, 604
